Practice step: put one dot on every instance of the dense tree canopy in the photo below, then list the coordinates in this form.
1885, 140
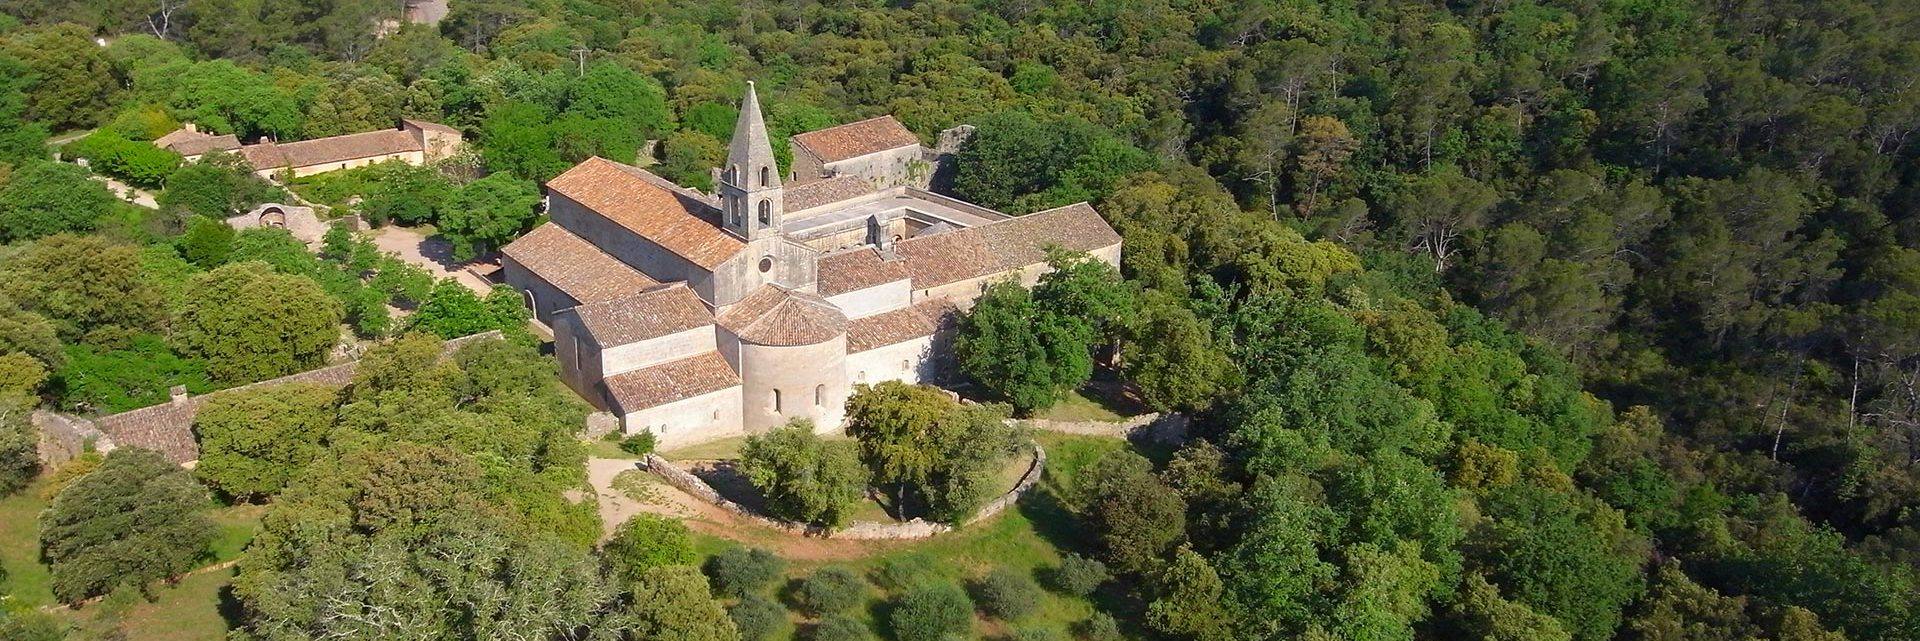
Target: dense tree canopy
43, 198
250, 323
803, 477
928, 449
136, 518
1387, 250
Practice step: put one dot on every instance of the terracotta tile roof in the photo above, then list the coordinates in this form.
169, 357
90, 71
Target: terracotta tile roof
575, 266
670, 381
429, 126
167, 428
857, 269
679, 220
265, 155
823, 192
856, 139
194, 143
662, 310
1003, 245
775, 315
900, 325
320, 151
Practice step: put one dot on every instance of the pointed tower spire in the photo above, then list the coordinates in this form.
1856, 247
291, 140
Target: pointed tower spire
750, 183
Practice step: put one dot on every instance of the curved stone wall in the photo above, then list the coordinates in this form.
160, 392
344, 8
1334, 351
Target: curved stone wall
859, 530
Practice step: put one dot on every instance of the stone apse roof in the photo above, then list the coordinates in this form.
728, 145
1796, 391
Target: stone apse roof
856, 139
776, 316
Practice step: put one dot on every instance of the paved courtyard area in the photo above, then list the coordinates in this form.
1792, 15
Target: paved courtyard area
433, 253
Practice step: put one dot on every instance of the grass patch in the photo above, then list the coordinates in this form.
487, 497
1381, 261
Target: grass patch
189, 610
602, 448
639, 486
726, 448
237, 525
1027, 539
1078, 406
27, 580
186, 611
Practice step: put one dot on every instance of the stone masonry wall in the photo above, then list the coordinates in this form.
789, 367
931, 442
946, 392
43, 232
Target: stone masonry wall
859, 530
1165, 428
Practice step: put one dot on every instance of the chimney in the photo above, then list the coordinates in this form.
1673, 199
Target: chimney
179, 394
190, 127
877, 234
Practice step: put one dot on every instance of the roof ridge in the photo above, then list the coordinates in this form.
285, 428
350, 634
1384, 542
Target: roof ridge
850, 124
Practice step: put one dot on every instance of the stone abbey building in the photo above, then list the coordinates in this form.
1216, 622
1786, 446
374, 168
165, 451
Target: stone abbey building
699, 316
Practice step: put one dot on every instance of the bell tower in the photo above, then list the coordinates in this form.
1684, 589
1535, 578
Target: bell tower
750, 191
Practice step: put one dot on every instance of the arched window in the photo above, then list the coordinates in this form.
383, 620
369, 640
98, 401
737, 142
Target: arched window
766, 211
764, 173
776, 401
733, 209
819, 395
733, 175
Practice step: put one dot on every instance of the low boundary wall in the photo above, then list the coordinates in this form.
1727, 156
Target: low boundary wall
1165, 428
859, 530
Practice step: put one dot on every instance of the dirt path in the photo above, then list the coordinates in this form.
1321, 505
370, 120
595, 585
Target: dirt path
701, 516
129, 193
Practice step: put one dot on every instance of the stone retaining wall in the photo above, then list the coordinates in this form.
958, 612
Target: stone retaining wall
1168, 428
63, 437
859, 530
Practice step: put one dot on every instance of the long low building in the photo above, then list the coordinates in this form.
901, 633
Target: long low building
414, 142
699, 317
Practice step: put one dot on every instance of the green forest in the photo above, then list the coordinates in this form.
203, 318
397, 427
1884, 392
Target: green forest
1566, 320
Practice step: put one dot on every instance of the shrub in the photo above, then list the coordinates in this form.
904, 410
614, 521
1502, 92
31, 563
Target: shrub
1037, 633
841, 628
757, 617
19, 447
905, 571
932, 612
1007, 594
831, 591
740, 571
139, 163
647, 541
637, 444
1099, 627
1078, 575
